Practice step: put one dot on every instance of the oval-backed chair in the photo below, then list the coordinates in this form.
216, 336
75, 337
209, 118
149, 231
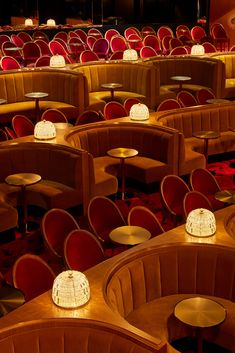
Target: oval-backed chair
44, 47
31, 52
54, 115
219, 36
147, 52
129, 102
151, 40
32, 275
43, 61
101, 48
110, 33
186, 99
88, 56
9, 63
82, 250
118, 43
179, 51
168, 104
87, 117
113, 110
143, 217
198, 34
195, 199
209, 47
204, 94
22, 126
116, 55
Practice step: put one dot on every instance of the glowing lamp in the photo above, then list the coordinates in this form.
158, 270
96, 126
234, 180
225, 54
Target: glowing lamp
28, 22
201, 223
197, 49
70, 289
51, 22
139, 111
130, 55
57, 61
44, 130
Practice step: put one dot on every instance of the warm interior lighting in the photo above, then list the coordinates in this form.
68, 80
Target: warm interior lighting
51, 22
197, 49
44, 130
201, 223
70, 289
28, 22
130, 55
139, 111
57, 61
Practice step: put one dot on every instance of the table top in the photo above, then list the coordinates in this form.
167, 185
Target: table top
227, 196
200, 312
129, 235
122, 152
2, 100
23, 179
36, 95
62, 126
111, 85
181, 78
10, 298
217, 101
206, 134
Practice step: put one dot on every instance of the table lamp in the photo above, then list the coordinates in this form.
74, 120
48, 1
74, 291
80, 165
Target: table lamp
201, 223
57, 61
70, 289
130, 55
44, 130
197, 49
51, 22
139, 112
28, 22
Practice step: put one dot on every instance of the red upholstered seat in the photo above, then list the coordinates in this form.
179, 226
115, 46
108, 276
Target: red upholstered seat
195, 199
168, 104
186, 99
9, 63
118, 43
88, 116
147, 52
129, 102
87, 56
101, 48
113, 110
204, 94
54, 115
43, 61
22, 126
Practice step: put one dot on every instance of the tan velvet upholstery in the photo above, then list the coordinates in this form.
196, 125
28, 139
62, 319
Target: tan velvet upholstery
229, 60
66, 91
157, 147
205, 72
144, 287
138, 80
71, 335
210, 117
64, 172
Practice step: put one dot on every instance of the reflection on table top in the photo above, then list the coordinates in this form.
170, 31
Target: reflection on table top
10, 298
206, 134
217, 101
129, 235
36, 95
111, 85
122, 152
181, 78
227, 196
22, 179
200, 312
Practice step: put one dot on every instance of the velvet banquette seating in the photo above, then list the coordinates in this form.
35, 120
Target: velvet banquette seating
157, 147
66, 92
145, 286
138, 81
216, 117
64, 173
194, 67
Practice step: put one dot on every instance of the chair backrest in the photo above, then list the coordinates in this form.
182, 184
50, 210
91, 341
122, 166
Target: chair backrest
4, 38
88, 116
22, 126
175, 42
101, 47
209, 47
6, 49
88, 56
183, 30
31, 52
95, 32
186, 99
76, 45
164, 31
118, 43
204, 94
117, 55
3, 135
9, 63
17, 40
57, 48
195, 199
147, 52
129, 102
82, 250
54, 115
104, 216
110, 33
168, 104
10, 132
179, 51
32, 275
56, 225
113, 110
40, 35
166, 44
62, 35
146, 30
26, 37
43, 61
44, 47
141, 216
82, 34
90, 41
198, 33
218, 31
131, 30
153, 41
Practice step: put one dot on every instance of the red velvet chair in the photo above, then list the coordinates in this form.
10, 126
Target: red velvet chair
56, 225
7, 51
186, 99
62, 35
26, 37
44, 47
195, 199
179, 51
82, 34
9, 63
11, 133
166, 44
101, 48
54, 115
168, 104
203, 95
117, 55
209, 47
141, 216
203, 180
4, 38
82, 250
198, 34
76, 46
118, 43
22, 126
90, 42
183, 30
110, 33
129, 102
146, 30
17, 41
113, 110
175, 42
87, 117
220, 38
88, 56
164, 31
40, 35
95, 32
32, 275
173, 190
104, 216
147, 52
152, 41
42, 61
31, 52
131, 30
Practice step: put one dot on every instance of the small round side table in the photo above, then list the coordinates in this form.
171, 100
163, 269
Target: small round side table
206, 136
129, 235
112, 86
36, 96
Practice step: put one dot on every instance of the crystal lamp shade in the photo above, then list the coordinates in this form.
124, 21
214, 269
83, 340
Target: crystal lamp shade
28, 22
57, 61
44, 130
197, 49
139, 111
51, 22
130, 55
70, 289
201, 223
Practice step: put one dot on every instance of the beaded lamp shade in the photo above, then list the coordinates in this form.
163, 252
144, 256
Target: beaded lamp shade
201, 223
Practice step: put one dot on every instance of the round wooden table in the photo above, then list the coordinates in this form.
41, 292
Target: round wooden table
23, 180
217, 101
200, 313
129, 235
122, 154
112, 86
227, 196
181, 79
206, 136
36, 96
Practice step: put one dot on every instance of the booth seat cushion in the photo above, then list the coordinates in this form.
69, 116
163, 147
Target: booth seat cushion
228, 60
